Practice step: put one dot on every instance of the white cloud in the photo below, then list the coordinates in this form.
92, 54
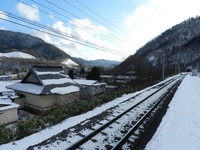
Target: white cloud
89, 26
1, 28
3, 15
28, 12
66, 42
154, 17
44, 36
86, 31
59, 25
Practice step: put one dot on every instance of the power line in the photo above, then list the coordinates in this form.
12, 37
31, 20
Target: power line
57, 36
103, 36
102, 18
50, 29
70, 18
83, 13
58, 33
79, 18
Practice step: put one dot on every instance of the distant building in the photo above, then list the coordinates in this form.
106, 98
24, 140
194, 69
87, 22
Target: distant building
4, 77
45, 87
194, 72
90, 88
8, 112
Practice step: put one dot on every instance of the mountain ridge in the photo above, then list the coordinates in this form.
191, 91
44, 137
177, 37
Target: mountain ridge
16, 41
176, 49
11, 41
99, 62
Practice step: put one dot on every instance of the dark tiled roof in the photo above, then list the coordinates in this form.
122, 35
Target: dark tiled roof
46, 78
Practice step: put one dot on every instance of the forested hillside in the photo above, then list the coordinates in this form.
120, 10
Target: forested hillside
15, 41
176, 49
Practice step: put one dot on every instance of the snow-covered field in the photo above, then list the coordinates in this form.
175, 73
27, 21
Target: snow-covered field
180, 128
17, 55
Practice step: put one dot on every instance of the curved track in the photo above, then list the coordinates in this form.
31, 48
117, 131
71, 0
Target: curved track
124, 126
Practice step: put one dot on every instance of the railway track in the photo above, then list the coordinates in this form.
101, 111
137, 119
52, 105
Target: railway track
106, 129
124, 127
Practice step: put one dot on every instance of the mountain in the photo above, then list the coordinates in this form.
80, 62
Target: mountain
30, 45
16, 41
176, 49
98, 62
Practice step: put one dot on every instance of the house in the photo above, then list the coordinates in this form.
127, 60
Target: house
4, 77
8, 112
90, 88
45, 87
194, 72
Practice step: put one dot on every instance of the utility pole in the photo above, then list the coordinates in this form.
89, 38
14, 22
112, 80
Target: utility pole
163, 65
162, 61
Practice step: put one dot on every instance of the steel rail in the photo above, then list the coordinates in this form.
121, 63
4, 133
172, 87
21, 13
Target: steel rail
92, 134
141, 120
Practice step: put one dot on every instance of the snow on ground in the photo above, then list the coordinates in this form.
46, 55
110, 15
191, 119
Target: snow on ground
47, 133
3, 85
70, 63
180, 127
17, 55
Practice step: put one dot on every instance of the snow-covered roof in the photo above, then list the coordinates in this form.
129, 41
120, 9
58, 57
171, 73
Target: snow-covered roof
57, 81
27, 87
87, 82
183, 122
7, 104
6, 83
65, 90
42, 80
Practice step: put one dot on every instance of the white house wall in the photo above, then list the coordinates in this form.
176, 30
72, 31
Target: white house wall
43, 102
88, 92
20, 102
67, 98
8, 116
40, 101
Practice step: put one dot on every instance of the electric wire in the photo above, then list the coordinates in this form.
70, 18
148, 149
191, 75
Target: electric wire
55, 35
72, 38
79, 18
59, 19
127, 35
58, 33
119, 40
50, 29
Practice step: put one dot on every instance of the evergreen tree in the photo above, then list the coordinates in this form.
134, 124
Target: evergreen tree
94, 74
71, 74
82, 72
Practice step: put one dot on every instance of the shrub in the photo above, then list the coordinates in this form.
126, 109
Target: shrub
35, 124
59, 114
6, 134
28, 127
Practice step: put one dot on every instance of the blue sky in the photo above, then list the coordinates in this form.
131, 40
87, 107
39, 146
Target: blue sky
116, 28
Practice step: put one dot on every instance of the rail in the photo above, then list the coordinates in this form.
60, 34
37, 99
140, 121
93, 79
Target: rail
92, 134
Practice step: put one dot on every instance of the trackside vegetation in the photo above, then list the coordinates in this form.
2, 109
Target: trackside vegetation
35, 124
